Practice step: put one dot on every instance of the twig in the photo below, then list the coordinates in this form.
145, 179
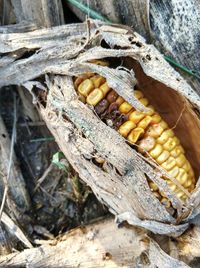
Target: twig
11, 156
43, 177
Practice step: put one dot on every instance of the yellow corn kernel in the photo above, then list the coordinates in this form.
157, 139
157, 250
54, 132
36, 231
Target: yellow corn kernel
153, 186
177, 151
156, 151
154, 131
146, 144
181, 160
188, 183
165, 202
119, 100
79, 80
192, 187
171, 185
138, 94
162, 157
100, 62
186, 166
169, 163
165, 136
145, 122
125, 107
170, 144
151, 110
144, 101
184, 197
179, 194
85, 87
182, 176
157, 195
162, 194
156, 119
136, 116
176, 140
173, 172
135, 134
105, 88
191, 173
99, 160
97, 80
95, 97
126, 128
163, 124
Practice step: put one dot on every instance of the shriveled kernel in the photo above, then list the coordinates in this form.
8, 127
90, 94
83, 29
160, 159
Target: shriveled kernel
156, 151
85, 87
101, 107
105, 88
112, 96
177, 151
135, 134
97, 80
182, 176
144, 101
153, 186
169, 163
146, 144
136, 116
125, 107
126, 128
95, 97
138, 94
162, 157
180, 160
165, 136
156, 119
81, 98
145, 122
173, 172
119, 100
154, 131
170, 144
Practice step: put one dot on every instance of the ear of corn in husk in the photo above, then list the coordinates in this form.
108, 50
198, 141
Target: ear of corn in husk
148, 131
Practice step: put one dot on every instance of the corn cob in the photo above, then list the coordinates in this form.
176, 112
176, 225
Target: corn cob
148, 131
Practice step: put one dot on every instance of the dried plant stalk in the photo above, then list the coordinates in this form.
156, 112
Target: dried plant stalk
95, 247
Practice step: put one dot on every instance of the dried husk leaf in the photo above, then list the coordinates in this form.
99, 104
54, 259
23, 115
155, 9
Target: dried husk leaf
124, 189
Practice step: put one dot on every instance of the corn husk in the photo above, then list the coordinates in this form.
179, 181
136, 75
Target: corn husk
82, 136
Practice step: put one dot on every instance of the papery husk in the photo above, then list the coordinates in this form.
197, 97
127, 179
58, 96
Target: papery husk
81, 135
